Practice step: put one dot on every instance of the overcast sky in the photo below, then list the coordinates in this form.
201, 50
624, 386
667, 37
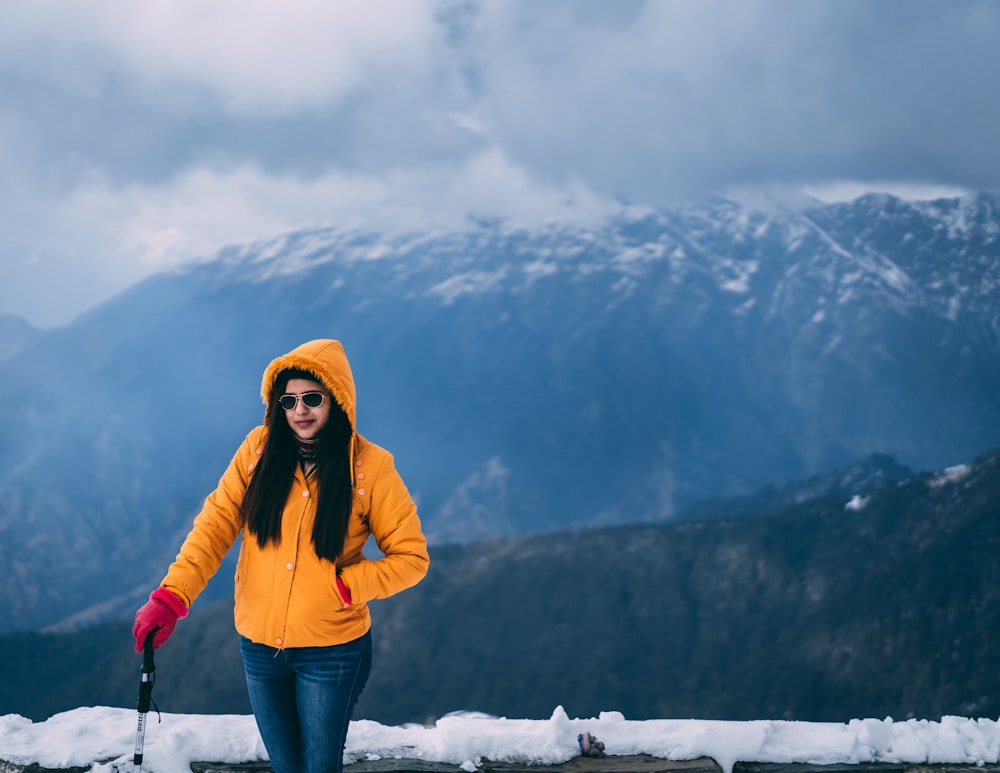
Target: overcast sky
135, 135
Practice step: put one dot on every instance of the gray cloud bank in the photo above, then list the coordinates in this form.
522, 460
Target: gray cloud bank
134, 136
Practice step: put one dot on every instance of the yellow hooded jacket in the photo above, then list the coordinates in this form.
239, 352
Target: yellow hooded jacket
286, 596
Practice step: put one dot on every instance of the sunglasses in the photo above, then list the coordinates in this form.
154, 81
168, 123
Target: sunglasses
309, 399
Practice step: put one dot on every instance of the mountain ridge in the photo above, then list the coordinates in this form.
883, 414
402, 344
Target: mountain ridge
525, 379
16, 333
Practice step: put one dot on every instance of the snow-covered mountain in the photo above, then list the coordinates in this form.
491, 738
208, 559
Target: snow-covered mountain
526, 379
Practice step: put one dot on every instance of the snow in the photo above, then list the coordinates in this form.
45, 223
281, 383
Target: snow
469, 283
104, 738
856, 503
950, 475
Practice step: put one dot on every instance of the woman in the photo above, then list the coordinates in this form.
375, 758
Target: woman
306, 490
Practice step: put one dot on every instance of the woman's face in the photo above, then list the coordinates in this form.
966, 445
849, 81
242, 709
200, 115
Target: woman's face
306, 422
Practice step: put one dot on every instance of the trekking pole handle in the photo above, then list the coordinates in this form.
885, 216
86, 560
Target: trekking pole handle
147, 653
148, 667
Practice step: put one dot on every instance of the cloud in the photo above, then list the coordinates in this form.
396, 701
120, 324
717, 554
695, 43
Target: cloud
201, 211
137, 229
254, 56
685, 97
135, 135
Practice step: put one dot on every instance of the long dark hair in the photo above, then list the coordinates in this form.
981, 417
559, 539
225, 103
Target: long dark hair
267, 493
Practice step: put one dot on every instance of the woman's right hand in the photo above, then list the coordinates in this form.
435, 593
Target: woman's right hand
158, 616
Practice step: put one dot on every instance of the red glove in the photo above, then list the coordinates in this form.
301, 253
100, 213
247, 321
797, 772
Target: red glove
159, 614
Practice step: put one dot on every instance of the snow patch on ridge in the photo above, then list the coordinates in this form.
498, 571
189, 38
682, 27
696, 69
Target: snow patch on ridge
950, 475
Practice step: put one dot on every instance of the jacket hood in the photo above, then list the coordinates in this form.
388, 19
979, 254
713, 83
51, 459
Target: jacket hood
325, 358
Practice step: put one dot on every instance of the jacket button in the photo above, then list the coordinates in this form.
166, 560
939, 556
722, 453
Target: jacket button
361, 476
357, 463
250, 467
361, 492
305, 493
289, 566
278, 641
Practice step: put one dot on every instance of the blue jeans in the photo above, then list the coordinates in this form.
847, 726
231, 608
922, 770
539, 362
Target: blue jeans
303, 698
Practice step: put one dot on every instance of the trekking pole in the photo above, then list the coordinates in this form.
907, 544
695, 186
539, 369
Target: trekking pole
145, 698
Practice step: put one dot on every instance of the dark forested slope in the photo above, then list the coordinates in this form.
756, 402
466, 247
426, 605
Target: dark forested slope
822, 610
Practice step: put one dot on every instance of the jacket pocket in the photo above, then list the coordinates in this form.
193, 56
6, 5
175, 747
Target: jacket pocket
337, 600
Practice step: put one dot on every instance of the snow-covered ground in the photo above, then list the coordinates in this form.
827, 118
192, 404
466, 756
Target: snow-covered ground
104, 738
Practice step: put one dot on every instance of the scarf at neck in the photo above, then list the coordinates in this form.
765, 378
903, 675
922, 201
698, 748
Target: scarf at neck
306, 448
